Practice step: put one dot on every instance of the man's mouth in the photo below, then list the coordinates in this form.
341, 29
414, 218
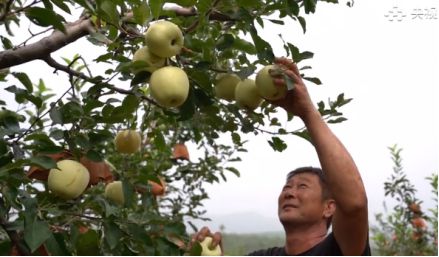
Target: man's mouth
286, 206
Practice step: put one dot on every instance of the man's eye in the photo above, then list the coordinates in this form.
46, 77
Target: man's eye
303, 186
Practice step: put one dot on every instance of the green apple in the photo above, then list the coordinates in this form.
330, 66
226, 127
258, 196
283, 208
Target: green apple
266, 88
69, 180
127, 141
246, 94
114, 192
225, 86
152, 61
206, 245
164, 39
169, 86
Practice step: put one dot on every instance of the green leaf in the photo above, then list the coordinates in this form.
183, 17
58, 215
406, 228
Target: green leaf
264, 50
7, 44
94, 156
277, 144
43, 162
36, 232
112, 234
141, 13
313, 80
108, 10
45, 17
128, 192
302, 23
88, 244
156, 7
56, 245
55, 115
280, 22
196, 249
310, 6
233, 170
130, 104
224, 42
141, 77
338, 120
244, 46
159, 141
61, 5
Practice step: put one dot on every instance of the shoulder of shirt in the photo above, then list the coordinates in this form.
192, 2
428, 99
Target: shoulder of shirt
272, 251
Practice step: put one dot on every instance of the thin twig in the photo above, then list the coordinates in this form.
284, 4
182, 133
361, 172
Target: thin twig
39, 118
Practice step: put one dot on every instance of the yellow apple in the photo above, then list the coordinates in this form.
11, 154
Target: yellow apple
225, 86
127, 141
169, 86
246, 94
164, 39
70, 179
114, 192
152, 61
266, 88
206, 245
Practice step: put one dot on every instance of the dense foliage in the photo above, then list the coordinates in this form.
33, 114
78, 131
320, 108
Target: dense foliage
39, 127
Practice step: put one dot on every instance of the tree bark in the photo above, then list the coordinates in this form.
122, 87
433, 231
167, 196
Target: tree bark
43, 48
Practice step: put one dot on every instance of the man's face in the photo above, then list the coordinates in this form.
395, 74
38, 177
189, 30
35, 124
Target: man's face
301, 200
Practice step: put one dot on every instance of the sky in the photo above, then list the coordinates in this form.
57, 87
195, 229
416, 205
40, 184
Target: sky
388, 65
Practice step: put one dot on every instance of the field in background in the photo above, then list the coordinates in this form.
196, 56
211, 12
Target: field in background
242, 244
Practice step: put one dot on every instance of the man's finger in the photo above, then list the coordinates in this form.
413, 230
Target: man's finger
201, 235
216, 239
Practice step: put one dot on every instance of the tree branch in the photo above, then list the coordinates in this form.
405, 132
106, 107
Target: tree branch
51, 62
43, 48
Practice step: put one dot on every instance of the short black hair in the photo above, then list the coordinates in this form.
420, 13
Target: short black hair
326, 194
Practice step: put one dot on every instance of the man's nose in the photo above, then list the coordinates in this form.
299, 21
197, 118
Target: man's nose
290, 193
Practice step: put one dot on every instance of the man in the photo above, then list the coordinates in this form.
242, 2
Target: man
312, 199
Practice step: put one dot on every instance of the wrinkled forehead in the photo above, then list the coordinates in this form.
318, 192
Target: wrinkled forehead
303, 177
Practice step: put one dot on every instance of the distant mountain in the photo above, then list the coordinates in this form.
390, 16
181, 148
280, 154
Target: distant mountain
241, 223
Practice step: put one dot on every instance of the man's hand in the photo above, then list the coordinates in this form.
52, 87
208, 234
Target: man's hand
202, 234
297, 101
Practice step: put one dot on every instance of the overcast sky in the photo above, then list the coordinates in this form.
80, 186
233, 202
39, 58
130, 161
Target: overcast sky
388, 65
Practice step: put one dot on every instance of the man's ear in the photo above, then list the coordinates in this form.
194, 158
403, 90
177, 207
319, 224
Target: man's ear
329, 208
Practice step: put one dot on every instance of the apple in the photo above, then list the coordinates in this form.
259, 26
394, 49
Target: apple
266, 88
114, 192
164, 39
246, 94
152, 61
158, 189
169, 86
127, 141
69, 180
225, 86
206, 245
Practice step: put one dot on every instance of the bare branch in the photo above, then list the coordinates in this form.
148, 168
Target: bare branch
43, 48
51, 62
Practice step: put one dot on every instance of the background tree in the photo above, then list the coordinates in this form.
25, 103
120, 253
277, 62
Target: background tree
81, 123
407, 229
